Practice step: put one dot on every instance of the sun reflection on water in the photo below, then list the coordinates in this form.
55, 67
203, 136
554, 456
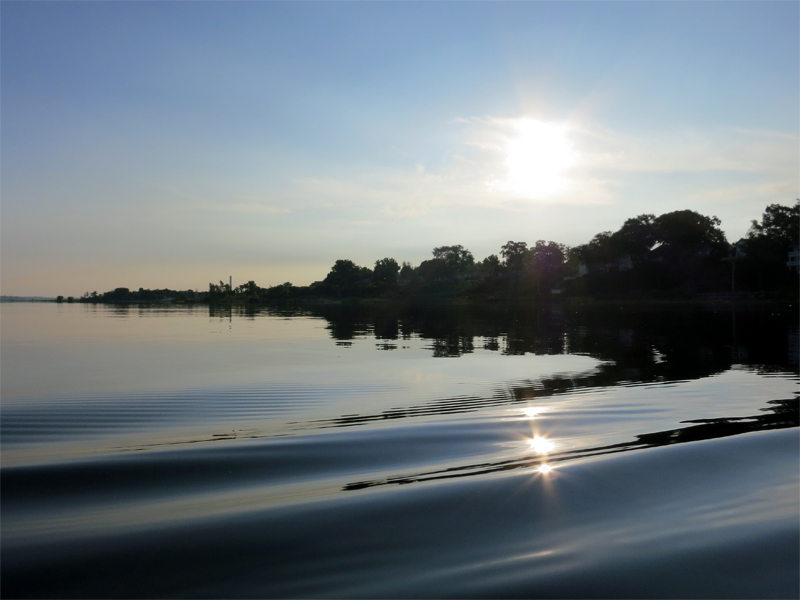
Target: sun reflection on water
532, 413
541, 445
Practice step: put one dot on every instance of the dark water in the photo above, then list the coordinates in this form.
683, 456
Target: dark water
357, 452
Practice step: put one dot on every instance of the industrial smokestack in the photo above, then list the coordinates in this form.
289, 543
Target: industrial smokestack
230, 281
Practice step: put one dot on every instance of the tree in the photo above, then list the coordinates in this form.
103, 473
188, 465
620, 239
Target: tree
490, 267
119, 294
406, 271
545, 260
688, 255
456, 259
346, 278
385, 271
599, 251
514, 255
548, 256
636, 237
281, 292
249, 289
766, 250
779, 224
687, 232
448, 263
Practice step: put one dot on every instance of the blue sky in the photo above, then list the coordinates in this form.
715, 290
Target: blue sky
174, 144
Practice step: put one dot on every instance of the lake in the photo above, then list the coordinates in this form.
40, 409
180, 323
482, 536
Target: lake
423, 451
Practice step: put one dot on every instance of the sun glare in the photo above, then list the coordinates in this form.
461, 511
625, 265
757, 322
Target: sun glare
541, 445
537, 158
534, 412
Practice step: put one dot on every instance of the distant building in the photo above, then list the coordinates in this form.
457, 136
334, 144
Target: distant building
623, 263
794, 259
737, 250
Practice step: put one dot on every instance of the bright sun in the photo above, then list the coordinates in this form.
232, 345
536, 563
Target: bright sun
537, 159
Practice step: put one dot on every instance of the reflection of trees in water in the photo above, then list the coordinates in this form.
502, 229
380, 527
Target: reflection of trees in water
222, 311
794, 345
646, 344
452, 346
636, 345
523, 392
781, 414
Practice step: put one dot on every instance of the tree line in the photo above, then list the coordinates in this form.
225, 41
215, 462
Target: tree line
680, 253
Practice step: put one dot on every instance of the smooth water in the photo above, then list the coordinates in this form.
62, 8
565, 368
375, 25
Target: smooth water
419, 452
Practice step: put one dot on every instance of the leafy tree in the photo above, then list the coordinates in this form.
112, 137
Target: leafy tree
545, 261
548, 256
766, 250
688, 232
430, 270
779, 224
249, 289
599, 251
385, 271
406, 271
636, 237
490, 267
689, 252
456, 259
346, 278
514, 254
284, 291
120, 294
444, 273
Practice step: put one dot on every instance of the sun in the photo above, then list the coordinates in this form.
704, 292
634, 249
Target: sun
538, 157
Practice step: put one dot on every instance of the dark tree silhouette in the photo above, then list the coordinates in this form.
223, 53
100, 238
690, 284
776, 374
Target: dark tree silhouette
513, 254
766, 249
385, 271
347, 279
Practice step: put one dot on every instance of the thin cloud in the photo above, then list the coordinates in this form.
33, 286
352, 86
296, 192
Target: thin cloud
691, 151
248, 203
249, 207
606, 163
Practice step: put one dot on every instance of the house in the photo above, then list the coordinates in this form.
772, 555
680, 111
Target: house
794, 259
737, 250
623, 263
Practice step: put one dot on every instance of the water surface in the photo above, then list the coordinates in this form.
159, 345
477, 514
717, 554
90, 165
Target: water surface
477, 451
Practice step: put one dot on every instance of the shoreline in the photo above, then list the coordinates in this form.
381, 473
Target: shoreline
744, 299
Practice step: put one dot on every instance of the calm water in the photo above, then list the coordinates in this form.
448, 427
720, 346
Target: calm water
472, 452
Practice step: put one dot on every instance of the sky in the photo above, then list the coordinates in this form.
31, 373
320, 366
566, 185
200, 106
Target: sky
173, 144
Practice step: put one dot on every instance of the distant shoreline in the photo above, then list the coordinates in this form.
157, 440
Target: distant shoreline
719, 299
681, 256
27, 299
